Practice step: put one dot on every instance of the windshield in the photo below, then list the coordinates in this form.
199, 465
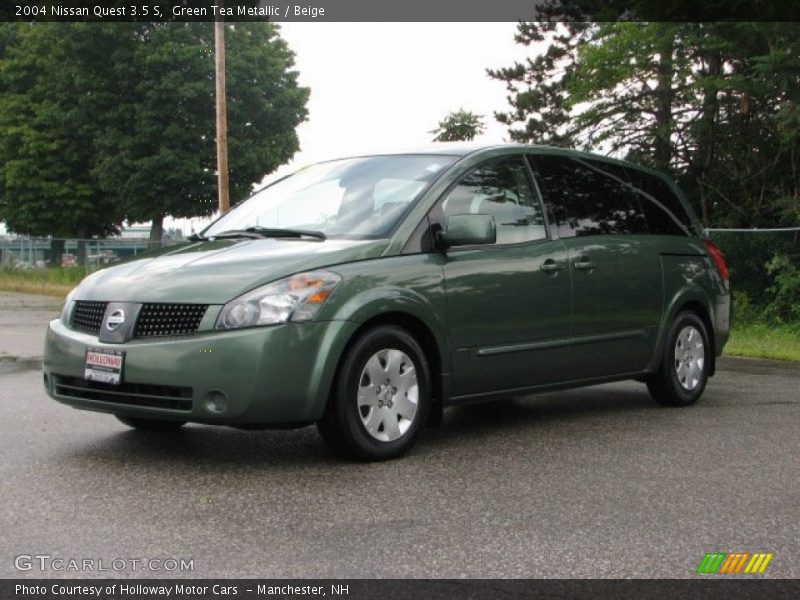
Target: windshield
354, 198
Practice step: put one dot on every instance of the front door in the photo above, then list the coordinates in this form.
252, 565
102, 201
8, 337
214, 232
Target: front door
509, 301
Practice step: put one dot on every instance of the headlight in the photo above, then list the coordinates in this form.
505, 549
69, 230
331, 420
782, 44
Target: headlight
296, 298
67, 308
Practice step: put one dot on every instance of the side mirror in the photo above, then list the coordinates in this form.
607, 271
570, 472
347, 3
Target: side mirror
468, 230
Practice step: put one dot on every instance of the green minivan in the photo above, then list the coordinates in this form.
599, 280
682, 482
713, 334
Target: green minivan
368, 293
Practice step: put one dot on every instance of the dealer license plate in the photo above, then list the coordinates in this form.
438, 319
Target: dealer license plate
104, 365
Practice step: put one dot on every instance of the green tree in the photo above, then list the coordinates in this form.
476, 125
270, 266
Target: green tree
713, 103
158, 152
751, 176
105, 122
47, 119
458, 126
620, 86
537, 87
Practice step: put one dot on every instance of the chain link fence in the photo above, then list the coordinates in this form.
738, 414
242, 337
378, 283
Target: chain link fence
748, 252
751, 258
19, 252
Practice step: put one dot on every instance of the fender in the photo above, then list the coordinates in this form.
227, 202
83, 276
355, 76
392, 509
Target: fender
405, 289
691, 293
377, 303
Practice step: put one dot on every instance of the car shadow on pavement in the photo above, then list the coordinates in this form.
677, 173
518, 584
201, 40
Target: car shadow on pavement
568, 408
208, 447
211, 448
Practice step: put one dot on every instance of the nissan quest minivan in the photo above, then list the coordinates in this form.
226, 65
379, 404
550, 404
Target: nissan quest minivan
366, 294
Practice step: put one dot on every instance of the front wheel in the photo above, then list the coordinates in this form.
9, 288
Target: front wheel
381, 397
150, 424
683, 373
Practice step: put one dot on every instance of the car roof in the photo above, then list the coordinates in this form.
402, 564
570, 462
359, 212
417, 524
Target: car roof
465, 148
442, 148
462, 149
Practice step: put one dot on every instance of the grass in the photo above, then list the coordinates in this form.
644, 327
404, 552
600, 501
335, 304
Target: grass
49, 282
762, 340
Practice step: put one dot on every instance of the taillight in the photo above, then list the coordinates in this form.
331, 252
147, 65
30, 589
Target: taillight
719, 260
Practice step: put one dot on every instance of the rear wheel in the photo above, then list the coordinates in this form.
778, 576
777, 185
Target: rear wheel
683, 373
150, 424
381, 397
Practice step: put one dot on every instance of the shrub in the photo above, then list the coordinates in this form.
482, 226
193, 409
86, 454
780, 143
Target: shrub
784, 293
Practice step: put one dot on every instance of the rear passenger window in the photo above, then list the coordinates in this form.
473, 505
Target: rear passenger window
663, 210
501, 190
589, 197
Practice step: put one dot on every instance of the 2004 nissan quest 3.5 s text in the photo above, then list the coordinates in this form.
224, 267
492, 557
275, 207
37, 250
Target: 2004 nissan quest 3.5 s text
366, 294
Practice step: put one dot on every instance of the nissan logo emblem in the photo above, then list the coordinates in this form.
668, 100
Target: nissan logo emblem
115, 320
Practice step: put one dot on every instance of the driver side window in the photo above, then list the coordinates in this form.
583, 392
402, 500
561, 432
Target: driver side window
501, 190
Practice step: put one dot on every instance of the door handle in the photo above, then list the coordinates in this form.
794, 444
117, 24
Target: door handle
584, 264
551, 267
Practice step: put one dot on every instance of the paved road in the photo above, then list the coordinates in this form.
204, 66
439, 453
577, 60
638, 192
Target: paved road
23, 318
598, 482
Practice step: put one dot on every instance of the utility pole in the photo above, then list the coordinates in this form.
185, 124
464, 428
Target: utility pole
222, 117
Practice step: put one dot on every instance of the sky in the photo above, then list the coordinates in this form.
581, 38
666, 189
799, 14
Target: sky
379, 86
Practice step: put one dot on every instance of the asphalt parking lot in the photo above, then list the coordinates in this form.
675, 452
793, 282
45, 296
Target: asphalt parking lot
596, 482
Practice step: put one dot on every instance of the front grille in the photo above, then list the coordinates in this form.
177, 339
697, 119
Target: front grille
168, 319
88, 316
132, 394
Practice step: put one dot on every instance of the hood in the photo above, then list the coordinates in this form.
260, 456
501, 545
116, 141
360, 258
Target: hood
214, 272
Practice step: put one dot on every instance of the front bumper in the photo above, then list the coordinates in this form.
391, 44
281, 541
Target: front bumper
276, 375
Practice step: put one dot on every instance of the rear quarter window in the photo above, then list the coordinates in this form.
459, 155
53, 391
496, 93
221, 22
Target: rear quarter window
588, 197
662, 208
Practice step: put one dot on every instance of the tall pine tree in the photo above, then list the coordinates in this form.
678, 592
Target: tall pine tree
716, 104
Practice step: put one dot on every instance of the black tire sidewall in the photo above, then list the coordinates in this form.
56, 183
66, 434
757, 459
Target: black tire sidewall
680, 394
362, 444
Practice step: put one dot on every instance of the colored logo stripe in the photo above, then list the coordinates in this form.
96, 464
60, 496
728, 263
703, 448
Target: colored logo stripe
723, 563
734, 562
711, 562
758, 563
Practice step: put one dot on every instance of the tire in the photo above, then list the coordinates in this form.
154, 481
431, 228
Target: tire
371, 414
150, 424
683, 374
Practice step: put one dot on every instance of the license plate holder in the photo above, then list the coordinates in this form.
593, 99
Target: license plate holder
104, 365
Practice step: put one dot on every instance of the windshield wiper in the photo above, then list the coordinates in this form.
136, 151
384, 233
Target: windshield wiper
266, 232
271, 232
235, 233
